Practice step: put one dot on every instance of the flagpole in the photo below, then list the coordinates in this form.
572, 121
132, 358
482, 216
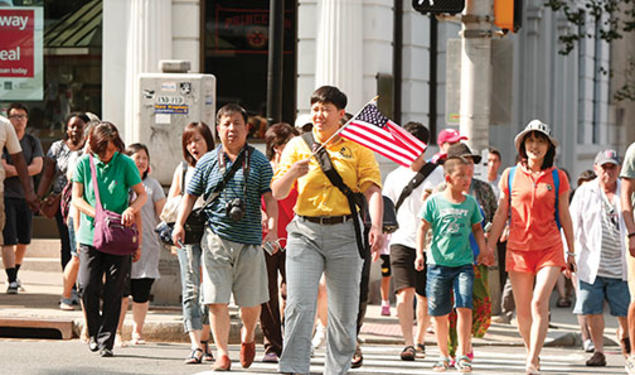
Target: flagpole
343, 126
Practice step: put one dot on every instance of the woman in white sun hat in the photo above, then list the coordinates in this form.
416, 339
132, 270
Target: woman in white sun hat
536, 195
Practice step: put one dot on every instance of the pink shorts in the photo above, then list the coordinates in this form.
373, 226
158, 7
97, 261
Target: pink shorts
533, 261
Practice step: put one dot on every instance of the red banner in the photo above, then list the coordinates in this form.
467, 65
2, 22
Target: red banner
17, 42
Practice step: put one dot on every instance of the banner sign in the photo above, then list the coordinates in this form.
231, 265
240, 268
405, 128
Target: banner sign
21, 58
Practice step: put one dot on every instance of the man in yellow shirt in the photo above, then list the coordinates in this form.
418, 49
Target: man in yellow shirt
321, 238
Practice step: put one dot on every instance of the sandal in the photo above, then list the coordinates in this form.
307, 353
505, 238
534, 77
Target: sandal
358, 358
421, 350
195, 357
563, 302
137, 339
408, 353
464, 364
441, 365
207, 354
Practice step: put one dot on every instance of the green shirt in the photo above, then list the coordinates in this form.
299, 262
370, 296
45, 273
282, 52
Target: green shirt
628, 168
451, 225
114, 179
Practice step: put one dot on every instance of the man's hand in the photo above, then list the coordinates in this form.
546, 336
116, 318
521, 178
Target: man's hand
273, 238
300, 168
136, 255
178, 235
375, 239
631, 245
32, 200
486, 258
419, 262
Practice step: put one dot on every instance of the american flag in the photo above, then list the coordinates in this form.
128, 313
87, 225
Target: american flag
377, 132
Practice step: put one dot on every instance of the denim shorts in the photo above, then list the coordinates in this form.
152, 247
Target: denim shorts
442, 280
591, 297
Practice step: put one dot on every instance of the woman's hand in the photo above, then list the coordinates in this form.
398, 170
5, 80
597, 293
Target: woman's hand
273, 238
136, 255
419, 262
178, 235
572, 267
128, 217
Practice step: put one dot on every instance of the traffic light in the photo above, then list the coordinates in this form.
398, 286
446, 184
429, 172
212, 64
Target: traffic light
438, 6
508, 14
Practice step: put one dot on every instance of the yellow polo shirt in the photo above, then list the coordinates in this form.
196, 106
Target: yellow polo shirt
316, 195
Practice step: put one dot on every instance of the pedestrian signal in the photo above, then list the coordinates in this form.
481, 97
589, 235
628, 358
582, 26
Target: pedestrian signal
508, 14
438, 6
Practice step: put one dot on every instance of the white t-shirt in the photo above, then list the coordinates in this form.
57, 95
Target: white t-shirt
407, 216
10, 140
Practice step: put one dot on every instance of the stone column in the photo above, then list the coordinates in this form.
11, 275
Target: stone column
149, 39
339, 52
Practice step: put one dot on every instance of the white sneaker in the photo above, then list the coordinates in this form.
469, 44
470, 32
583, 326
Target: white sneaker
630, 365
20, 287
12, 288
319, 337
588, 346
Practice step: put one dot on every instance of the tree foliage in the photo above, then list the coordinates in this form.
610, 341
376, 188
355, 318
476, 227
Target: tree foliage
607, 19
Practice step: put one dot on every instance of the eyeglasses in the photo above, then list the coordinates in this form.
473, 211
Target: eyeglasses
19, 117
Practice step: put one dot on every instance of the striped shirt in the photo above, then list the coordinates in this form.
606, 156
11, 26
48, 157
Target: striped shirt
611, 254
207, 175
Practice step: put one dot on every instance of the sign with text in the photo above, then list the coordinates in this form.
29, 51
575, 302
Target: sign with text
21, 60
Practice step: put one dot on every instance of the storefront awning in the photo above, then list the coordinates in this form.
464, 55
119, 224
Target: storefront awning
77, 33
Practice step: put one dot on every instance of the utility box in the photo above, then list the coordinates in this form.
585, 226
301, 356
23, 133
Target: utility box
167, 103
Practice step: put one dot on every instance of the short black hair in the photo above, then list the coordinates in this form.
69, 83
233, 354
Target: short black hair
17, 106
329, 94
494, 150
229, 109
549, 156
452, 162
418, 130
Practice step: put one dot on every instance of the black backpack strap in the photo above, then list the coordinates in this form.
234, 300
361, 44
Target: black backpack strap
183, 172
246, 153
356, 201
414, 183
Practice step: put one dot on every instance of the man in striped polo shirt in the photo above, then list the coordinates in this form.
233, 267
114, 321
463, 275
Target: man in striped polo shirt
599, 237
233, 259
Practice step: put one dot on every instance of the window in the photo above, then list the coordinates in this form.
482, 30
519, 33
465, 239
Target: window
72, 65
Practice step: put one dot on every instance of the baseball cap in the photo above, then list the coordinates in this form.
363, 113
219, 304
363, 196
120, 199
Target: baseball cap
463, 150
538, 126
607, 156
450, 135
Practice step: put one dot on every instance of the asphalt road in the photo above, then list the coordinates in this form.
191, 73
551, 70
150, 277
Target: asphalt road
56, 357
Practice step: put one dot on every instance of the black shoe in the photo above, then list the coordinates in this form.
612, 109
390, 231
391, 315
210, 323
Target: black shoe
421, 350
105, 352
92, 344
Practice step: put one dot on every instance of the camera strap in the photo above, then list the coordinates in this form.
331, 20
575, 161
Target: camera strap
241, 160
356, 201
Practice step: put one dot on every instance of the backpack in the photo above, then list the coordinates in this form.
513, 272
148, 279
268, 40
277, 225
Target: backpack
556, 183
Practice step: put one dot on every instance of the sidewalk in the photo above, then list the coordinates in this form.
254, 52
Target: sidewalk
37, 307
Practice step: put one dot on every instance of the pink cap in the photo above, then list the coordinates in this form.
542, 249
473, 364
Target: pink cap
450, 135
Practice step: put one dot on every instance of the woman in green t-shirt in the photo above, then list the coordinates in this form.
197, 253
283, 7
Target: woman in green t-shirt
116, 175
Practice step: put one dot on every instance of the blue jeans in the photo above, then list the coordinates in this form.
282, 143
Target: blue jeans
442, 280
194, 313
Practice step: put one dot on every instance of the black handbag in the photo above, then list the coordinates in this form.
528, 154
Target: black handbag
390, 223
195, 223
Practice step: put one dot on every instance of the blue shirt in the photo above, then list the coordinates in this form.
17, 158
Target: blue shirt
208, 174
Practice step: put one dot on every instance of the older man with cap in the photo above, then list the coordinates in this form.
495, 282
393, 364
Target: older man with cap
599, 234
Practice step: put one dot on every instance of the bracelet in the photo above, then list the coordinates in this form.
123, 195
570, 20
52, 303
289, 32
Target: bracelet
570, 254
632, 234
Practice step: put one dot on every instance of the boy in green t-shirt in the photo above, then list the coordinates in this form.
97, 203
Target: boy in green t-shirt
452, 216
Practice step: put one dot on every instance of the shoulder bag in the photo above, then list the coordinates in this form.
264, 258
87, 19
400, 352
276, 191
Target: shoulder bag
110, 235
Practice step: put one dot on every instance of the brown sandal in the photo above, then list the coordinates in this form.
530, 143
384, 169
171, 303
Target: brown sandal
408, 353
358, 358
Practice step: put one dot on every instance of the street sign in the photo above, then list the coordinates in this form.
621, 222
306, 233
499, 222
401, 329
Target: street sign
438, 6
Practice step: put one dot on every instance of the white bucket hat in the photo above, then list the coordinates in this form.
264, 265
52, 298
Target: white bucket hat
535, 125
302, 120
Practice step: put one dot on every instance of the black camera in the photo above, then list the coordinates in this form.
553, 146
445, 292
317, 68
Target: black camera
235, 209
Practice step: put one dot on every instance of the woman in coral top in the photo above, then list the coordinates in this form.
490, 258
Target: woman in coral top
538, 206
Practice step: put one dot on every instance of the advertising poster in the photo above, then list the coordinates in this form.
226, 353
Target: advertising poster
21, 59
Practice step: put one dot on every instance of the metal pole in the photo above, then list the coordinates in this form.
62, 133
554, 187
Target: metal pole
476, 72
397, 60
274, 63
